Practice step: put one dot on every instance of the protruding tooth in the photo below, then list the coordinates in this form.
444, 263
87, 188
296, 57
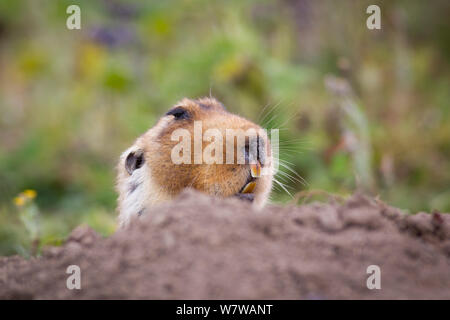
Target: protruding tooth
249, 187
255, 170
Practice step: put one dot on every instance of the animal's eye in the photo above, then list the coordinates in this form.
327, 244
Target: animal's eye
179, 113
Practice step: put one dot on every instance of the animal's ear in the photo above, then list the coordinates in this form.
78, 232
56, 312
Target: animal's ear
134, 160
179, 113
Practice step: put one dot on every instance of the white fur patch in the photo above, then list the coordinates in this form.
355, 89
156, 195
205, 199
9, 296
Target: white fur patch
138, 191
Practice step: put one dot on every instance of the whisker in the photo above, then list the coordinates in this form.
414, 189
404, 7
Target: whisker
304, 182
282, 186
271, 120
296, 141
290, 117
262, 111
288, 149
276, 106
290, 177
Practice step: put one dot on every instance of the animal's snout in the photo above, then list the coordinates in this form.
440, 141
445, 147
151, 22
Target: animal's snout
255, 150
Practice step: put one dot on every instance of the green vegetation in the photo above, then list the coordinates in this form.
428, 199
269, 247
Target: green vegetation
358, 109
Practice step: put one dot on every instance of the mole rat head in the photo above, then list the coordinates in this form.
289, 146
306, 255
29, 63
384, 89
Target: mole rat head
196, 144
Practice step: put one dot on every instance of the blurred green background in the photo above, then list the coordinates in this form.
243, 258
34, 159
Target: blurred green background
358, 109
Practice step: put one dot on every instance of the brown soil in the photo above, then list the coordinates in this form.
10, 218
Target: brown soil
204, 248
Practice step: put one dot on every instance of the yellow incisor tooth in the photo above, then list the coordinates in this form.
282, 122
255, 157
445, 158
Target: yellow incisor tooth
249, 187
255, 170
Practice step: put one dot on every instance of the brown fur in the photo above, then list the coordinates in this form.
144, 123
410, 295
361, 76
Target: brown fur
164, 179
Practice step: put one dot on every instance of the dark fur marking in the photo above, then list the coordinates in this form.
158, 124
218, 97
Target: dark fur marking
179, 113
133, 187
245, 196
204, 106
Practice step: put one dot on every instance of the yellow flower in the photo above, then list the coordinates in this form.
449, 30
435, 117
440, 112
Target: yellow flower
30, 194
19, 201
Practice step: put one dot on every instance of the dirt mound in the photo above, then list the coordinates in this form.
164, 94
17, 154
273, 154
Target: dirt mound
199, 247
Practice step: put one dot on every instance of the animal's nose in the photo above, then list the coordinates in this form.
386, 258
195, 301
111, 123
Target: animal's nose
255, 150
